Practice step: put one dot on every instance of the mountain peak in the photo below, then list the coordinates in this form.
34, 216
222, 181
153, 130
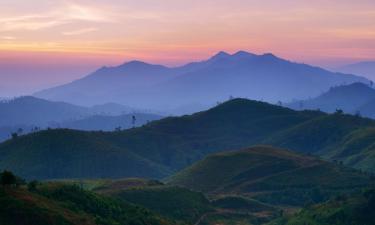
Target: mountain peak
269, 55
221, 55
135, 63
243, 54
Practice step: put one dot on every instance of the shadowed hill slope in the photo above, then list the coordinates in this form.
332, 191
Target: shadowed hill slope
165, 146
69, 205
343, 210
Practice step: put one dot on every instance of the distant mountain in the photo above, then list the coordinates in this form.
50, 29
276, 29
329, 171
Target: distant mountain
109, 123
366, 69
29, 114
368, 109
242, 74
162, 147
39, 112
113, 109
349, 98
110, 83
270, 175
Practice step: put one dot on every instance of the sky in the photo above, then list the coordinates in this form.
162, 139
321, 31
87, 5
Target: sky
49, 42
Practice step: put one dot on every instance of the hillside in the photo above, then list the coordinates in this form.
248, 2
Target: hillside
182, 205
244, 74
343, 210
270, 175
173, 143
54, 154
69, 205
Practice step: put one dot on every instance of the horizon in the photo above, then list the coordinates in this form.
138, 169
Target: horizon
46, 43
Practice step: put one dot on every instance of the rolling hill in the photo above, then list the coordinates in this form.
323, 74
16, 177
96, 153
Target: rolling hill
188, 207
162, 147
270, 175
343, 210
244, 74
54, 154
69, 205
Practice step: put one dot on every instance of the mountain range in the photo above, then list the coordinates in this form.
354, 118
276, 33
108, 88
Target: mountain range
200, 85
162, 147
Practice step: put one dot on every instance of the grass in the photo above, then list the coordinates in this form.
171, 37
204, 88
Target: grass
358, 208
270, 175
62, 204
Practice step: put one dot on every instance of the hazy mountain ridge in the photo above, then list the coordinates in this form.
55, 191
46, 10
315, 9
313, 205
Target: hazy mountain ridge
356, 98
29, 114
365, 68
242, 74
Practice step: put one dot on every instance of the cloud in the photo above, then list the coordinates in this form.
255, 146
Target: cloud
65, 14
8, 38
84, 13
80, 31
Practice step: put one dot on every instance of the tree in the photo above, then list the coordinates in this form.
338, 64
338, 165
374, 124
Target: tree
31, 186
133, 120
280, 103
14, 135
339, 112
7, 178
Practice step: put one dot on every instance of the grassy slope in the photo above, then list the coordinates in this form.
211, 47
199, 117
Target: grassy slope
180, 141
182, 205
56, 204
165, 146
67, 153
356, 209
270, 175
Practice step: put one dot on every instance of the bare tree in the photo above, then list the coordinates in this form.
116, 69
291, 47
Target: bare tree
133, 120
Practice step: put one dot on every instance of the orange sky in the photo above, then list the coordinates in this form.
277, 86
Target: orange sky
92, 32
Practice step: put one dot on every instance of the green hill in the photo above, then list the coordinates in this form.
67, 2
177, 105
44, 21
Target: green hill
182, 205
343, 210
163, 147
53, 204
270, 175
73, 154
